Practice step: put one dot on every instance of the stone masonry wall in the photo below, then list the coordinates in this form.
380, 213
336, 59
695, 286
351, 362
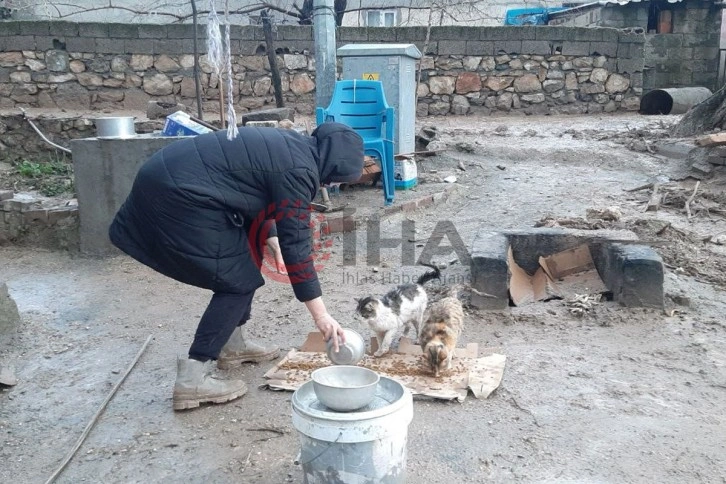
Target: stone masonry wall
465, 70
36, 222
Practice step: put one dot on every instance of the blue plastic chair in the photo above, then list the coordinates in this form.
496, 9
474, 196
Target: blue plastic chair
362, 105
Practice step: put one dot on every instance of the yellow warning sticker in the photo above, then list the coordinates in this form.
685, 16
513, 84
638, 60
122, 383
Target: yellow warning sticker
370, 76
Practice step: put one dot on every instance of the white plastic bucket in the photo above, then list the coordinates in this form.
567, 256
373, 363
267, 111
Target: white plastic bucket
368, 446
405, 174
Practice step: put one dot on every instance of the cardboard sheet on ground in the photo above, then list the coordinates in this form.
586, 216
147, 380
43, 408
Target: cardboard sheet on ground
482, 375
560, 275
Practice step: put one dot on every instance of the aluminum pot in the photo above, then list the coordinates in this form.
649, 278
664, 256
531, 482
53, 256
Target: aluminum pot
115, 127
350, 352
345, 388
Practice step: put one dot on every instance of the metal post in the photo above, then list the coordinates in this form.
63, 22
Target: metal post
325, 58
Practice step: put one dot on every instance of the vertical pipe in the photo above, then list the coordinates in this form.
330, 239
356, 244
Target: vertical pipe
325, 55
197, 87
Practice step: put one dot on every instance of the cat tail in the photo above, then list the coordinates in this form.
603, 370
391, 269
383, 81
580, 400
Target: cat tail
429, 276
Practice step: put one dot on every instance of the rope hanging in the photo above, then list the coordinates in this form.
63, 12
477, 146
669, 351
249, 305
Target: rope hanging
214, 40
232, 130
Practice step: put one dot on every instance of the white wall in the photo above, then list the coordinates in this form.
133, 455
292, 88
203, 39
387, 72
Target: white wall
446, 12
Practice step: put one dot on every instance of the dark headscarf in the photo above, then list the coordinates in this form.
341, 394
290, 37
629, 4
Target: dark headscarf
340, 151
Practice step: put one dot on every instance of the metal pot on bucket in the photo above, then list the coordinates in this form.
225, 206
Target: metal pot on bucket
115, 127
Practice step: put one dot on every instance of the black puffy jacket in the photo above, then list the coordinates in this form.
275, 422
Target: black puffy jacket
201, 208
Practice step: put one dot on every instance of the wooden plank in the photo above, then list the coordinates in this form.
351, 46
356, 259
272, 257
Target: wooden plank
712, 140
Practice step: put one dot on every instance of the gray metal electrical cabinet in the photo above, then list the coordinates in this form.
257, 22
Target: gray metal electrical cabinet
395, 66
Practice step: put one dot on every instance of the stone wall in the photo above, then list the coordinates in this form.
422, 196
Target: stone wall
35, 222
688, 56
466, 69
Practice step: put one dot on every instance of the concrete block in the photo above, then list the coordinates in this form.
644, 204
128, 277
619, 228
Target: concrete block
352, 34
609, 49
634, 275
247, 47
10, 29
452, 47
20, 42
451, 32
152, 31
35, 27
410, 34
508, 47
63, 29
186, 31
126, 31
109, 46
294, 46
177, 46
609, 35
6, 195
490, 271
575, 48
81, 45
245, 32
552, 33
47, 43
138, 46
276, 114
299, 32
537, 47
633, 37
585, 34
93, 30
629, 66
479, 47
381, 34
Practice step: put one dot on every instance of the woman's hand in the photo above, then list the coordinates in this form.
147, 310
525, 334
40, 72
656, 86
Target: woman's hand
325, 323
273, 243
330, 328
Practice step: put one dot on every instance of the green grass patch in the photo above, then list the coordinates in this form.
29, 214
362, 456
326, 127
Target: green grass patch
31, 169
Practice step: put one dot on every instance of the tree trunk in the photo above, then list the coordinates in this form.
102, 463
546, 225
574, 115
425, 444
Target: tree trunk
340, 8
272, 57
703, 117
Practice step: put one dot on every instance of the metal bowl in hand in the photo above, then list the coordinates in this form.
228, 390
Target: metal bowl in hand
345, 388
350, 352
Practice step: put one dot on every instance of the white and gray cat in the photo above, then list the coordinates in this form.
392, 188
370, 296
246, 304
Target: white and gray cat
402, 306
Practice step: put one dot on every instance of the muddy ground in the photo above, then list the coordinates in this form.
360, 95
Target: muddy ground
617, 395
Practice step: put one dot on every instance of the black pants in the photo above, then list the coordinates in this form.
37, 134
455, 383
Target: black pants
224, 313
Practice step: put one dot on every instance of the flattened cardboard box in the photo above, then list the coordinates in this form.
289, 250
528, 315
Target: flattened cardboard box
566, 273
481, 375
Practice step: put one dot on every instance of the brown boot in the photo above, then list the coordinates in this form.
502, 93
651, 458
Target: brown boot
194, 385
239, 350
